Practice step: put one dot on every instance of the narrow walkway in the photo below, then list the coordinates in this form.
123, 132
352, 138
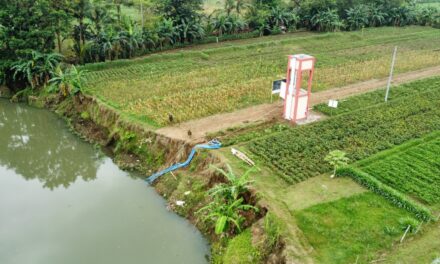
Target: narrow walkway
264, 112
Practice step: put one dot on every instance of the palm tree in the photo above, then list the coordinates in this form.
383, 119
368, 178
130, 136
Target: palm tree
189, 31
240, 5
166, 32
282, 18
131, 36
377, 16
103, 45
118, 4
149, 39
327, 20
236, 24
99, 16
80, 10
357, 17
229, 6
222, 24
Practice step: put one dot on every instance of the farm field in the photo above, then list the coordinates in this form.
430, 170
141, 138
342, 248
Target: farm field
362, 226
355, 222
360, 133
377, 97
412, 168
199, 83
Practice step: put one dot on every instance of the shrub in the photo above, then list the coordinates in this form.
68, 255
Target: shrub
389, 193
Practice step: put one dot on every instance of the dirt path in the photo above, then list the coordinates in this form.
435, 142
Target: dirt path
200, 127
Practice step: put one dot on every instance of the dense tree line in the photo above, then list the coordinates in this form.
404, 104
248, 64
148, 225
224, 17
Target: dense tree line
31, 30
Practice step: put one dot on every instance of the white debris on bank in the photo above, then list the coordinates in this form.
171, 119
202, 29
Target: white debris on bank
180, 203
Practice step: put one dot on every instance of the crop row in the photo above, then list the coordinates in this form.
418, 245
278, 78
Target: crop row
414, 171
298, 153
377, 97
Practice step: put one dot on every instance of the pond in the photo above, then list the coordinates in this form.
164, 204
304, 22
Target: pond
63, 201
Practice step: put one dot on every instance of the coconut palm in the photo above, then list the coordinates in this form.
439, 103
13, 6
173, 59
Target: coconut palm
99, 16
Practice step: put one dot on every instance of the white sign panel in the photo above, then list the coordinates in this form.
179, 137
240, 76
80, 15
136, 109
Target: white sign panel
333, 103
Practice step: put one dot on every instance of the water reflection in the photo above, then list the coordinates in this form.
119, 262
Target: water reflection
36, 145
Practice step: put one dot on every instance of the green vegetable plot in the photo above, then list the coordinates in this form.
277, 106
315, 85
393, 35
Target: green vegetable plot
413, 168
377, 97
298, 153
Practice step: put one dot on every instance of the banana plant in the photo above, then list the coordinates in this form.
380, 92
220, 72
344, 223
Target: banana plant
36, 69
235, 185
227, 214
68, 82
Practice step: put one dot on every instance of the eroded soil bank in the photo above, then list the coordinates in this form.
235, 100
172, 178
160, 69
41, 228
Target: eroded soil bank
135, 147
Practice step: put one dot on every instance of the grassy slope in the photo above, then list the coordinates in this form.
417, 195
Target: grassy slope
194, 84
351, 229
282, 200
424, 248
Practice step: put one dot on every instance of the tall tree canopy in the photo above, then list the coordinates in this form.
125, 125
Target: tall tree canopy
178, 10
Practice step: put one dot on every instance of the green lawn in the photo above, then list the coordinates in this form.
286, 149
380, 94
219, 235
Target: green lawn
351, 230
191, 84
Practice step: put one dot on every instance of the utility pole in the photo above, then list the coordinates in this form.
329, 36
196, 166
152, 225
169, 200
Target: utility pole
391, 74
142, 14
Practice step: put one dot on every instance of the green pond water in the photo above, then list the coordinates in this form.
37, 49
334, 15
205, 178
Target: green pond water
62, 202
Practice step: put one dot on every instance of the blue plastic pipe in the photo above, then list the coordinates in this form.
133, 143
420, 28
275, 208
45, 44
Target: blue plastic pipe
214, 144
